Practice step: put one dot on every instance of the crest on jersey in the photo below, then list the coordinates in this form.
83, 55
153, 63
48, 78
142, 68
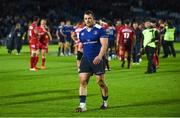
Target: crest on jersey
82, 34
95, 32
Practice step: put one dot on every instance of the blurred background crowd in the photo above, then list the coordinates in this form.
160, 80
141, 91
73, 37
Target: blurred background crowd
22, 11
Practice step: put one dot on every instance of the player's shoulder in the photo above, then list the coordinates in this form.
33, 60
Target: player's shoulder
39, 27
30, 27
82, 31
60, 27
98, 26
127, 28
121, 28
145, 30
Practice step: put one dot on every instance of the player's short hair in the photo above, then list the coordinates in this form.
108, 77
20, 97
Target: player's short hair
127, 21
89, 12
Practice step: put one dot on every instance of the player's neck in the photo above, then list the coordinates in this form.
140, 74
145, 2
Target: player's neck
89, 27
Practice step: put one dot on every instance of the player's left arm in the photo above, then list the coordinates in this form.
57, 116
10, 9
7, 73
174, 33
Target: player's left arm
50, 36
74, 36
104, 44
47, 31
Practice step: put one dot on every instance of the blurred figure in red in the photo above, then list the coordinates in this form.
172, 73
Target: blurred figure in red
126, 39
44, 38
118, 29
78, 45
33, 43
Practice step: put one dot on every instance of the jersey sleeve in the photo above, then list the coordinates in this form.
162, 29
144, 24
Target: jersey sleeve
103, 33
73, 29
80, 36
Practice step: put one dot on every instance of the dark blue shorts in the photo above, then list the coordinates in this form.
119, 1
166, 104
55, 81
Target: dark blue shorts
87, 66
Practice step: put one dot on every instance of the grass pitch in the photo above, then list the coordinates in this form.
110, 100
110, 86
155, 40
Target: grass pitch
54, 92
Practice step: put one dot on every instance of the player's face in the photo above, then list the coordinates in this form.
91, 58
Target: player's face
18, 26
135, 25
118, 23
89, 20
140, 26
43, 23
68, 23
62, 23
153, 24
147, 24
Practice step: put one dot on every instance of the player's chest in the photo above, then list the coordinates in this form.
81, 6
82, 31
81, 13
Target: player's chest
67, 29
90, 36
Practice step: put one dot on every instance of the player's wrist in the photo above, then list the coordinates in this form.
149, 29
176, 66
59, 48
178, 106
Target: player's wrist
99, 57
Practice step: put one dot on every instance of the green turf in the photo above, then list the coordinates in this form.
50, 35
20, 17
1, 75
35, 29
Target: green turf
54, 92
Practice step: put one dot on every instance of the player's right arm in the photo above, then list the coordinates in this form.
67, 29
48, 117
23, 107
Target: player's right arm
74, 36
64, 35
57, 34
30, 32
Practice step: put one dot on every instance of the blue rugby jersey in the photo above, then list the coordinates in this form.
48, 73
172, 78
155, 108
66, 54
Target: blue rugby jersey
59, 28
111, 33
67, 31
91, 41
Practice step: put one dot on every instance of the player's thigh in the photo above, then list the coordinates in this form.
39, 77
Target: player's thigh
43, 51
100, 79
98, 69
85, 66
34, 51
84, 77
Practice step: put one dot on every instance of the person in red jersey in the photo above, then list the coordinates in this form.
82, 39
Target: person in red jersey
44, 37
33, 44
118, 28
78, 45
127, 39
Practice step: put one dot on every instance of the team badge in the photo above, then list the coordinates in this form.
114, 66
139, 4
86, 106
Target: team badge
95, 32
82, 34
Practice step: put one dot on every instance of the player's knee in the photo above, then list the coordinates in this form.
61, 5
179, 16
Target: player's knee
33, 53
44, 52
83, 83
43, 56
101, 83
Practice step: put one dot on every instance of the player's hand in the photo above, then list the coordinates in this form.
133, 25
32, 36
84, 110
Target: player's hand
97, 60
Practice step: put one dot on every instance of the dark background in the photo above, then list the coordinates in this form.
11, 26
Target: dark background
55, 10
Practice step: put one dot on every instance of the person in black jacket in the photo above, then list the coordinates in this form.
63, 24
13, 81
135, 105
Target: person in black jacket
15, 39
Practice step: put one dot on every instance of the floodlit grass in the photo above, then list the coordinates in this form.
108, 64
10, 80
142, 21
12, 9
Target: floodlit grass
54, 92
